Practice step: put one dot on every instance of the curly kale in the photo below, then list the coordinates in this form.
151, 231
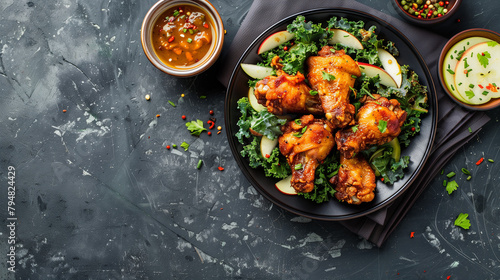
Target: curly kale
275, 166
262, 122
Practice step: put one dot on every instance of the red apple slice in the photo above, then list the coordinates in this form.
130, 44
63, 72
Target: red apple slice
345, 38
275, 40
267, 146
256, 71
477, 75
253, 101
372, 71
390, 65
285, 186
450, 62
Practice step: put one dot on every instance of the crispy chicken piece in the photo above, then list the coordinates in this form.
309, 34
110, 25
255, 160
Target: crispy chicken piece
355, 181
285, 93
305, 144
332, 73
378, 122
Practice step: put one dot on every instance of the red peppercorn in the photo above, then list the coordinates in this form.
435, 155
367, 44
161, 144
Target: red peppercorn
285, 48
183, 117
211, 112
209, 133
413, 129
168, 147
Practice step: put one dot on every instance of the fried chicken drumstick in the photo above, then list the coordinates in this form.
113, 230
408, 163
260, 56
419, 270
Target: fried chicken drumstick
332, 74
355, 180
378, 122
305, 144
284, 93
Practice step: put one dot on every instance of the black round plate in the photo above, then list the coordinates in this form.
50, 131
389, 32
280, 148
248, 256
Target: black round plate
334, 210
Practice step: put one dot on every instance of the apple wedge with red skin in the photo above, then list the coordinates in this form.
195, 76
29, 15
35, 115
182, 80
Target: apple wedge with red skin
252, 99
285, 186
390, 65
267, 146
345, 38
256, 71
372, 71
275, 40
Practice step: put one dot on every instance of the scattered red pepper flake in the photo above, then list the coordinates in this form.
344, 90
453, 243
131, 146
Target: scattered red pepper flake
168, 147
211, 112
218, 132
205, 25
268, 155
221, 168
211, 123
171, 39
183, 117
209, 133
382, 179
412, 234
158, 115
449, 277
64, 111
479, 161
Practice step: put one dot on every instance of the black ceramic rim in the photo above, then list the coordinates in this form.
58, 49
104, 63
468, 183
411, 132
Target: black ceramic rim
333, 210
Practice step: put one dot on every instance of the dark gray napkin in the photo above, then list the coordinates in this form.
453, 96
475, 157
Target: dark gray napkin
453, 121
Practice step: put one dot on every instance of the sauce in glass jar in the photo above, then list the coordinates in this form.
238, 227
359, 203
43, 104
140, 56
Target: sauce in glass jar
182, 36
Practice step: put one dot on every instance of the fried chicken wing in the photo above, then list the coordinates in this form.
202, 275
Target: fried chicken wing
285, 93
355, 181
332, 74
378, 122
305, 144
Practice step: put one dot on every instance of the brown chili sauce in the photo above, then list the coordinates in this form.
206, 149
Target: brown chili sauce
182, 35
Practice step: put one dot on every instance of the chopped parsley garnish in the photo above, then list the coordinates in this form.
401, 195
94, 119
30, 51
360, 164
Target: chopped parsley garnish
451, 186
484, 58
327, 76
382, 126
195, 127
462, 221
469, 94
185, 146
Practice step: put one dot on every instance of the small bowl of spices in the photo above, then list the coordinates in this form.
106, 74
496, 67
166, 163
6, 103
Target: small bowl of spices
182, 38
426, 12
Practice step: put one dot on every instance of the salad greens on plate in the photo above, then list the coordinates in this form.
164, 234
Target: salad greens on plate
308, 38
